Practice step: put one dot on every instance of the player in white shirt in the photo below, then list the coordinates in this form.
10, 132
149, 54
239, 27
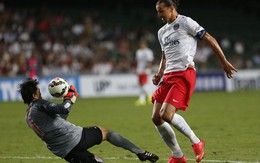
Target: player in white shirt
178, 40
144, 59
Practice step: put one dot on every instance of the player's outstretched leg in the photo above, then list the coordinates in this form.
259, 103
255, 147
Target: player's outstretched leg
198, 145
120, 141
147, 156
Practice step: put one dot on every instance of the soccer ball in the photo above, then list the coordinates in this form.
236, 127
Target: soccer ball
58, 87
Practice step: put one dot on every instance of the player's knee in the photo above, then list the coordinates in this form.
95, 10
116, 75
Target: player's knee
105, 132
166, 116
157, 120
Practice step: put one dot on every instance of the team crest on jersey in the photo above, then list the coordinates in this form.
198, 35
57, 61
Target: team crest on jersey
176, 26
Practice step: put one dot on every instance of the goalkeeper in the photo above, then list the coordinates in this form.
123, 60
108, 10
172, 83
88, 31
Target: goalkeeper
64, 139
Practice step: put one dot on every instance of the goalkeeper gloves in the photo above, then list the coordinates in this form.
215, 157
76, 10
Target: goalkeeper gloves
72, 94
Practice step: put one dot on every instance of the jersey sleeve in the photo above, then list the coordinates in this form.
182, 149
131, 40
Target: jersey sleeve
54, 108
195, 29
160, 39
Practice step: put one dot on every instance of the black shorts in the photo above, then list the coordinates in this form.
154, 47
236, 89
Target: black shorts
90, 136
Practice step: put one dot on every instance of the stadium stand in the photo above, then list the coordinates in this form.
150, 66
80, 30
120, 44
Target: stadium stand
96, 37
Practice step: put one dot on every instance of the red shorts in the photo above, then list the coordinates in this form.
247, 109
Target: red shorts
176, 88
142, 78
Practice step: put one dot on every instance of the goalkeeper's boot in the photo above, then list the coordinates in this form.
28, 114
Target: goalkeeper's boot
147, 156
199, 150
172, 159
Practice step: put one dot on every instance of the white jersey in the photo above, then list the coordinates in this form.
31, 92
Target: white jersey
143, 57
178, 42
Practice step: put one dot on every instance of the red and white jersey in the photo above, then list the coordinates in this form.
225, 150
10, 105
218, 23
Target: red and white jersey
178, 41
143, 57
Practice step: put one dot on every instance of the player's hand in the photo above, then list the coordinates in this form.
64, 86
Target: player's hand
229, 69
72, 94
156, 78
73, 89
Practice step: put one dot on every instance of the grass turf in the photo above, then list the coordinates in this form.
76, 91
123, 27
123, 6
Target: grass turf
228, 122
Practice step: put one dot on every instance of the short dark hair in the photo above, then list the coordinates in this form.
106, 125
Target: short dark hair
27, 89
170, 3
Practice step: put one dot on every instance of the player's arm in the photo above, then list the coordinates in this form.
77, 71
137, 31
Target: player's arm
67, 106
54, 108
228, 67
157, 77
50, 108
64, 108
72, 95
69, 99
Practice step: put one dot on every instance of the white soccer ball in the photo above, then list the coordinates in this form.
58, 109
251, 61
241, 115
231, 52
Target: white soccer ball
58, 87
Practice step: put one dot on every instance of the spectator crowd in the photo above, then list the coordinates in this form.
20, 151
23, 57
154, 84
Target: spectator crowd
37, 42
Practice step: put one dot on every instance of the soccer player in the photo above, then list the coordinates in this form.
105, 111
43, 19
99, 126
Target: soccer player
178, 40
144, 58
64, 139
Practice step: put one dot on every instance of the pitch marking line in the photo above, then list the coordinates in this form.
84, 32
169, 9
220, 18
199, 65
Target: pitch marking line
111, 158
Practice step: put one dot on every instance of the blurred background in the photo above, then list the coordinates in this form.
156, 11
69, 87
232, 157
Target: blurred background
97, 37
54, 37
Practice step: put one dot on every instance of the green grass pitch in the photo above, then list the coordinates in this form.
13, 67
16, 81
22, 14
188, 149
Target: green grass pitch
228, 122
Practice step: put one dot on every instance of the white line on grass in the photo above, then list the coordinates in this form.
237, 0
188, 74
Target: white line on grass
109, 158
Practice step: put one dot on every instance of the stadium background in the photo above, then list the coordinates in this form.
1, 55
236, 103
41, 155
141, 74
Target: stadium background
86, 36
229, 122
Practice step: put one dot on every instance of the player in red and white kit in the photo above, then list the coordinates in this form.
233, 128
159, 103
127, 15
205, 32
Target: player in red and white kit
144, 58
178, 40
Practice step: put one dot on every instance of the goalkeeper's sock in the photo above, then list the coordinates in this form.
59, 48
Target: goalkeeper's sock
181, 125
169, 137
120, 141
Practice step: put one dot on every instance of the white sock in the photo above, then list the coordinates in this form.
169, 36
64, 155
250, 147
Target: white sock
169, 137
147, 90
181, 125
142, 95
